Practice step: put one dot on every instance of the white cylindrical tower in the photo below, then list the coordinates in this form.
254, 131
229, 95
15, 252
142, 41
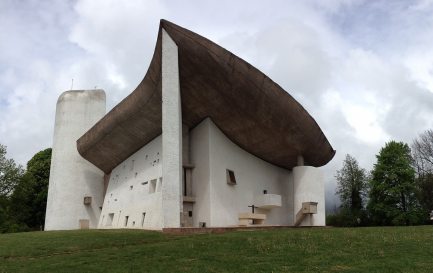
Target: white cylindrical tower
308, 186
75, 191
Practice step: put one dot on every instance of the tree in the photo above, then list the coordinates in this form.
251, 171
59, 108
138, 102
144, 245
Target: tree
29, 199
422, 148
422, 152
352, 189
392, 187
10, 174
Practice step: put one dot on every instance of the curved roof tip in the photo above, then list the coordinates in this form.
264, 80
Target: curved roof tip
250, 109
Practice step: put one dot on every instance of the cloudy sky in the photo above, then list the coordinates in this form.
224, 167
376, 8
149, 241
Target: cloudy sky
363, 69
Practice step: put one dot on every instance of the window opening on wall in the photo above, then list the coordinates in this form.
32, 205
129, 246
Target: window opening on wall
143, 216
152, 186
110, 219
190, 213
160, 184
231, 179
126, 220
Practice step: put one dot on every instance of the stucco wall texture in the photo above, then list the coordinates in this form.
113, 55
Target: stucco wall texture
309, 187
71, 176
218, 203
133, 195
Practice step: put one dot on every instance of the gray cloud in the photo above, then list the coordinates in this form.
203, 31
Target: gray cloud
362, 69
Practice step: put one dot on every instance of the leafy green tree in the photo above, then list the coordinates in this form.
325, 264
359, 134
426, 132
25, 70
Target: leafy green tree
29, 199
352, 190
10, 173
392, 187
352, 184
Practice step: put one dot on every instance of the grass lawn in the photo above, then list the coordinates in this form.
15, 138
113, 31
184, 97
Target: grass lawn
387, 249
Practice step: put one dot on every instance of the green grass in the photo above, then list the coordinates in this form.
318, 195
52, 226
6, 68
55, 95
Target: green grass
388, 249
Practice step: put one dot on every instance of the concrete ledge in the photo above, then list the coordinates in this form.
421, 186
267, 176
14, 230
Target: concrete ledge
250, 215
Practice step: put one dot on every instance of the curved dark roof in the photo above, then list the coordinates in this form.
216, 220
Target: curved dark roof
252, 110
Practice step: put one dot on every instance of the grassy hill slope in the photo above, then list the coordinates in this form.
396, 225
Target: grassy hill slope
388, 249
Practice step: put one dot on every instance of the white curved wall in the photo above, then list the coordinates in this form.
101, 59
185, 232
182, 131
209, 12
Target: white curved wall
71, 176
218, 203
309, 186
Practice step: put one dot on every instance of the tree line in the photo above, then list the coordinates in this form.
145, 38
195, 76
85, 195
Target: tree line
23, 193
398, 190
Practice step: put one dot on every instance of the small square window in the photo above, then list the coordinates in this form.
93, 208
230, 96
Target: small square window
231, 179
87, 200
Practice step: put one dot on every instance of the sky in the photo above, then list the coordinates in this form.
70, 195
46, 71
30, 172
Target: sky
362, 69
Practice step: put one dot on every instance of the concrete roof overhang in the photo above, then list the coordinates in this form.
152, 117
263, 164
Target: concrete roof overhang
250, 109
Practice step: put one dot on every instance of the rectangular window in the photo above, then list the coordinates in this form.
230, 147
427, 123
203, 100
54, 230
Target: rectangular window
126, 220
143, 216
160, 184
190, 213
231, 179
152, 186
110, 219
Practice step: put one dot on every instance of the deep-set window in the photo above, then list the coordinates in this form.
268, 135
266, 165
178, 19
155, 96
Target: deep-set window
231, 179
143, 216
152, 186
110, 219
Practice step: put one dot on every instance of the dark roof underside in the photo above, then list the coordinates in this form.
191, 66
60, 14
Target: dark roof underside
252, 110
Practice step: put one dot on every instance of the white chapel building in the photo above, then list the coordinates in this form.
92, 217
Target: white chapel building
205, 140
